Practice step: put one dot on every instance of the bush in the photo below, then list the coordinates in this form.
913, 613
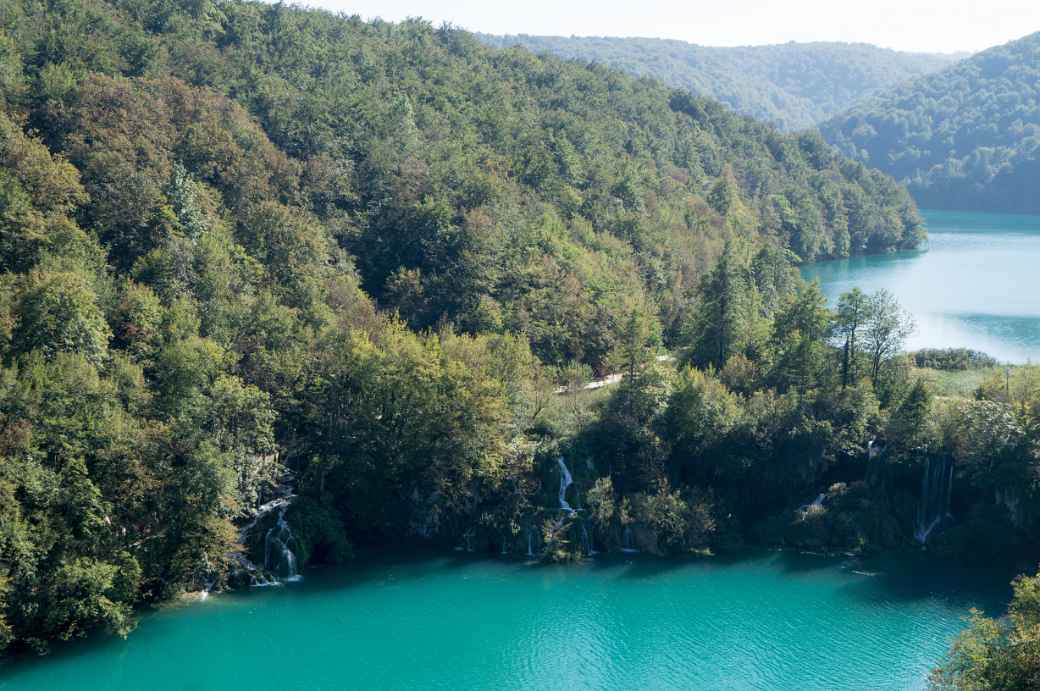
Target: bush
953, 359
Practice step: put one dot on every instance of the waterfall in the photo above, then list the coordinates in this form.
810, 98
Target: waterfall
275, 504
276, 542
565, 482
936, 491
211, 579
627, 544
586, 542
260, 577
874, 449
530, 543
1011, 500
813, 507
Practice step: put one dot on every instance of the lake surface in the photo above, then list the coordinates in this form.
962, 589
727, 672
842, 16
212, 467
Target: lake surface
976, 285
770, 621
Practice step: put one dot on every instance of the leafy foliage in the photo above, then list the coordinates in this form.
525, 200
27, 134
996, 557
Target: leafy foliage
248, 248
967, 137
953, 359
472, 186
998, 654
793, 86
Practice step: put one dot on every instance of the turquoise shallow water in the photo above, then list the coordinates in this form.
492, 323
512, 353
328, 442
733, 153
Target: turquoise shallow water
976, 285
771, 621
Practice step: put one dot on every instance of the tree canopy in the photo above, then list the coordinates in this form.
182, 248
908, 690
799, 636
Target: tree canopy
794, 86
967, 137
250, 250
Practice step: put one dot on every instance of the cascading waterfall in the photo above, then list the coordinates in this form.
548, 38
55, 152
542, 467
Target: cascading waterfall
260, 577
936, 492
275, 504
1011, 500
211, 580
627, 543
816, 505
565, 482
586, 542
874, 449
276, 543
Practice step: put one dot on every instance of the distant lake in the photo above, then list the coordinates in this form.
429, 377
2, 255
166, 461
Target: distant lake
765, 621
975, 284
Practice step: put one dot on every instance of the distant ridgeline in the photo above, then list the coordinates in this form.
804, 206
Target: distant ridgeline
792, 85
965, 138
275, 282
467, 185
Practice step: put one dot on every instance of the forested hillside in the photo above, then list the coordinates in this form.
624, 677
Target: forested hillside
965, 138
257, 256
795, 86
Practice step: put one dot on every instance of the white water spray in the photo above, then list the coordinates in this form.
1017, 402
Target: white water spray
276, 542
936, 493
565, 482
586, 542
627, 543
814, 506
260, 577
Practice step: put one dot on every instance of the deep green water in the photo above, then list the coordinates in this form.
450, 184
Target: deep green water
771, 621
976, 285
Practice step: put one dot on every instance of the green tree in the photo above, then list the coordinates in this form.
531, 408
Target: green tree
800, 333
701, 413
726, 319
911, 429
724, 196
998, 654
58, 312
602, 503
38, 193
638, 343
887, 327
850, 320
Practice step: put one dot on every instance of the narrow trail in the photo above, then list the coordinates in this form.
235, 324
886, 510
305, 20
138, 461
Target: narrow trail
608, 380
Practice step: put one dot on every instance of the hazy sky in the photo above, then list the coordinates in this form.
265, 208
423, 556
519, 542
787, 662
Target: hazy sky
920, 25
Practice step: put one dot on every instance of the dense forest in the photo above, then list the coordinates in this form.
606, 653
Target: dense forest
365, 272
794, 86
965, 138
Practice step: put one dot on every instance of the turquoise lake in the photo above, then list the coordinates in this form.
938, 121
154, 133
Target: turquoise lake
976, 284
775, 620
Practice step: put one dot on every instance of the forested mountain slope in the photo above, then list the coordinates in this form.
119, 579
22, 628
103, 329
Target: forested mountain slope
792, 85
966, 138
465, 182
247, 249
